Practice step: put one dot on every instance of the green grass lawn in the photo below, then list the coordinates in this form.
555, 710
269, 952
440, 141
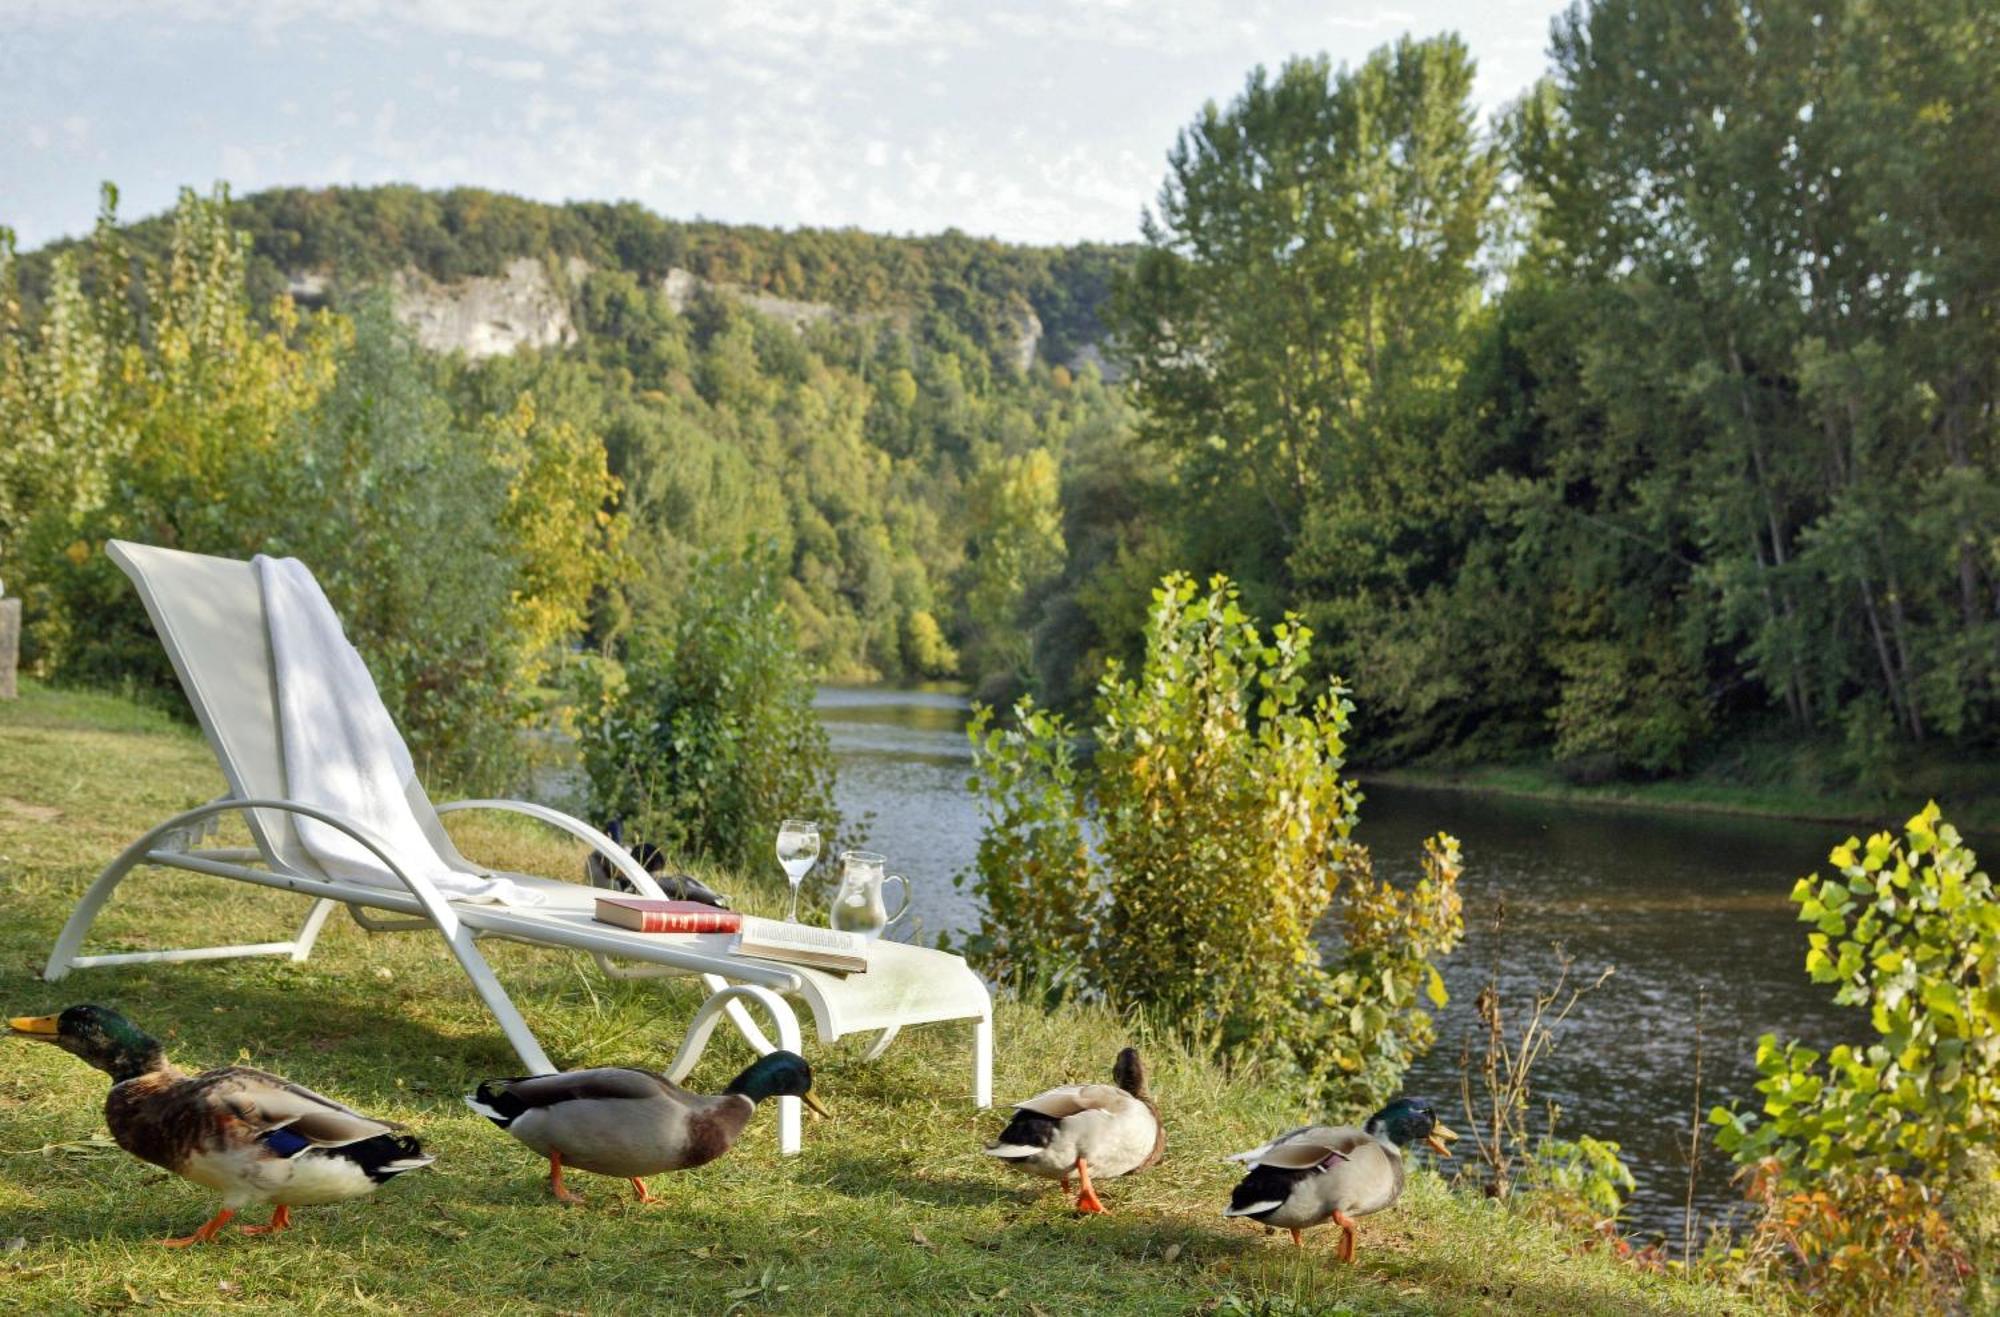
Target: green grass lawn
891, 1206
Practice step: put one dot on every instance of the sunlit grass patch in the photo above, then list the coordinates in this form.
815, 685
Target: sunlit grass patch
892, 1206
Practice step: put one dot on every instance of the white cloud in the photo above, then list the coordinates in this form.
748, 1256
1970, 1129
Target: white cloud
511, 70
1043, 120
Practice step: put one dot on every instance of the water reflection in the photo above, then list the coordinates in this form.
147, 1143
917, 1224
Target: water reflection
1679, 904
904, 761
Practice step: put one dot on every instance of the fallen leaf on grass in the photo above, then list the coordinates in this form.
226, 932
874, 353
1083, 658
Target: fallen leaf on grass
917, 1238
1173, 1253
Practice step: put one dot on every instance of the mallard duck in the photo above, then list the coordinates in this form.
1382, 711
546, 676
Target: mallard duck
1101, 1130
1335, 1172
252, 1136
634, 1123
677, 886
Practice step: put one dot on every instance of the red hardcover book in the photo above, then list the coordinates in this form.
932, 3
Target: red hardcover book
649, 914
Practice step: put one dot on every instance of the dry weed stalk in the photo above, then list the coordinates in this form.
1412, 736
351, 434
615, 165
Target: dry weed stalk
1506, 1067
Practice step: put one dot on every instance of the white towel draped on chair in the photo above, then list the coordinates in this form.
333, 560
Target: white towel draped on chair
342, 750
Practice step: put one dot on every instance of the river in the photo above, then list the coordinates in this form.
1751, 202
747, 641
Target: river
1681, 905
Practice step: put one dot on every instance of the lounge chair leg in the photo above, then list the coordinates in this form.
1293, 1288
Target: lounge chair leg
460, 940
94, 897
982, 1061
63, 957
302, 945
729, 998
881, 1043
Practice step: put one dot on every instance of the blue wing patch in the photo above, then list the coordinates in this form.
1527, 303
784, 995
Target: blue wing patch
285, 1143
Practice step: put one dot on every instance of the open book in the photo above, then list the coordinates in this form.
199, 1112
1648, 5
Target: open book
804, 944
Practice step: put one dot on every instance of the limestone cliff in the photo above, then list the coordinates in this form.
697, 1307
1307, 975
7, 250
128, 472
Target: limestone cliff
522, 307
486, 317
680, 286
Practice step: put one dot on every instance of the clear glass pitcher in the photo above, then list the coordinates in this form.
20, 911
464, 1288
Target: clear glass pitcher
857, 903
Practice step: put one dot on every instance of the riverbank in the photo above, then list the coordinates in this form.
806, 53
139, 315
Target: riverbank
891, 1206
1968, 793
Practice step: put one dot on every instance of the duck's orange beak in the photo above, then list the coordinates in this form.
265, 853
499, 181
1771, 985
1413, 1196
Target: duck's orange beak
1439, 1138
33, 1026
815, 1106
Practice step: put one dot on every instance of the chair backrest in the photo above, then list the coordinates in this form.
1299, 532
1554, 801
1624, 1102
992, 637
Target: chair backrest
209, 613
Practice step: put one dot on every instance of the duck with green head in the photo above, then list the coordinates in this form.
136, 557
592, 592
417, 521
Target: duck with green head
633, 1123
249, 1135
1335, 1172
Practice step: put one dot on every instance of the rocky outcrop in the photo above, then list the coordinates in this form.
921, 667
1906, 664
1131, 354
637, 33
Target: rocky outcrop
522, 307
308, 287
680, 286
486, 317
1092, 355
1027, 328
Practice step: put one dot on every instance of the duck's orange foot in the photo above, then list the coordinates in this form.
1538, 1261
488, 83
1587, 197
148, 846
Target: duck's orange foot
562, 1194
645, 1195
280, 1220
208, 1231
1086, 1198
1346, 1224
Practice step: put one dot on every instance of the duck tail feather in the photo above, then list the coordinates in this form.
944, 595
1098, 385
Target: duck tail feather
1251, 1209
387, 1155
493, 1101
1013, 1151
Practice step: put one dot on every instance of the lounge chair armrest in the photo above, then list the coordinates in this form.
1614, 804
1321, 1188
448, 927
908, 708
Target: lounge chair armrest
435, 907
614, 854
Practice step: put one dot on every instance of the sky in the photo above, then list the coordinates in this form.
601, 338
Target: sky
1028, 120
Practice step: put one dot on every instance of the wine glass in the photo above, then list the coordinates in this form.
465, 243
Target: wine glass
798, 847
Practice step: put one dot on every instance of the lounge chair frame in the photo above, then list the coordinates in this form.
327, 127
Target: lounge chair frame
201, 608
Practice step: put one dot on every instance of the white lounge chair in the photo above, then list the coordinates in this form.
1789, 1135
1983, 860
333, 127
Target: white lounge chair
209, 613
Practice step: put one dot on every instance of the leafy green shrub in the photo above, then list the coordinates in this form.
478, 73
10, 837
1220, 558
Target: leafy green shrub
1579, 1183
705, 738
1192, 870
1859, 1160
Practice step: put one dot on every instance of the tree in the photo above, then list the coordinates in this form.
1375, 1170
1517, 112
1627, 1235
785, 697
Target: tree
1017, 544
1769, 220
1299, 314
